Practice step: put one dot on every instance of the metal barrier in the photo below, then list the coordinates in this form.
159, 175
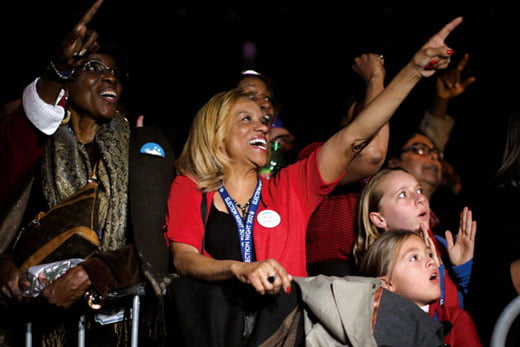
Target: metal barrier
503, 323
136, 292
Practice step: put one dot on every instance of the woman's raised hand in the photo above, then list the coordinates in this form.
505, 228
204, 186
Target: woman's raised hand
80, 42
435, 54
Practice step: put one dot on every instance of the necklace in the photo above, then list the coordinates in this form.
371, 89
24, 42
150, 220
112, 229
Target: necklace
244, 207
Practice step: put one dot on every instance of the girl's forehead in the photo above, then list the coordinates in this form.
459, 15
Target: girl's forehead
398, 177
414, 239
411, 242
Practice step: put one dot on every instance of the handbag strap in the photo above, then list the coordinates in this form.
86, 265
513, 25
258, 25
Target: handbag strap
203, 214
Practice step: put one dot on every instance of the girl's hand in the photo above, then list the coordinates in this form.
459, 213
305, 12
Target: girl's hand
461, 251
423, 231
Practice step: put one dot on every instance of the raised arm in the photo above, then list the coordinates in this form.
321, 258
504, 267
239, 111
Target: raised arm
370, 67
437, 124
449, 84
77, 45
341, 148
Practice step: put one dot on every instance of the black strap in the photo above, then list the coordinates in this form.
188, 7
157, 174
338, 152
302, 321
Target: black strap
203, 215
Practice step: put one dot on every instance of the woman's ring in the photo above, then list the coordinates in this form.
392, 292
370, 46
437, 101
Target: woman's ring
271, 278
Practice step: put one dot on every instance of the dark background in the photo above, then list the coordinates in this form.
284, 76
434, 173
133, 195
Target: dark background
182, 53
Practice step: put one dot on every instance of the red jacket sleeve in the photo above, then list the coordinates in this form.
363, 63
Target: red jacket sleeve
183, 220
21, 147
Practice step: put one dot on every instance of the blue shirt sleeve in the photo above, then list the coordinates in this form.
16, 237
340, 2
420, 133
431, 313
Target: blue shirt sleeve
462, 273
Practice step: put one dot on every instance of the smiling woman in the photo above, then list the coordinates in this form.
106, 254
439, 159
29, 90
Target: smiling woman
69, 133
240, 235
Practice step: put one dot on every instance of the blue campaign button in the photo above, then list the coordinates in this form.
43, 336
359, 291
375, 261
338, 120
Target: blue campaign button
153, 149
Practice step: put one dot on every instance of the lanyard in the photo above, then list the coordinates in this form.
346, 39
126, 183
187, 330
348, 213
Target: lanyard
441, 279
245, 231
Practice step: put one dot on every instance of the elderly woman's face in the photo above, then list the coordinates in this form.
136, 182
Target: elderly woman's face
246, 141
96, 89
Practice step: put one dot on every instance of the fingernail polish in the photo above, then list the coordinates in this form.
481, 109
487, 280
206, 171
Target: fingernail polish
450, 51
288, 290
430, 65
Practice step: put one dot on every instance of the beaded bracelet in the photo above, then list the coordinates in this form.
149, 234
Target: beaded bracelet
61, 75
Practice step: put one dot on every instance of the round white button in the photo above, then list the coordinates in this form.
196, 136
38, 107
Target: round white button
269, 218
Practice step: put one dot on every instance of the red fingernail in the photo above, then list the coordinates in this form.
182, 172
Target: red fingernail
450, 51
288, 290
430, 65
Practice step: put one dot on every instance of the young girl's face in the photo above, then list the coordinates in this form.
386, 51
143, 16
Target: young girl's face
414, 274
403, 205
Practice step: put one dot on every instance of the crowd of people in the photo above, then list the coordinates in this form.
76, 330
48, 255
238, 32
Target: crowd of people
339, 243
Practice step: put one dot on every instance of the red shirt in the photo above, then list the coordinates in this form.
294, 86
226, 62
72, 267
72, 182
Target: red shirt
331, 231
294, 193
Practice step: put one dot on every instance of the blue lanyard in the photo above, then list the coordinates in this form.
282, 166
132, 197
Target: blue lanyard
245, 231
441, 279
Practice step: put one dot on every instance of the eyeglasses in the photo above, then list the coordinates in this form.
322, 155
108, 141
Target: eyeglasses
258, 97
423, 150
99, 68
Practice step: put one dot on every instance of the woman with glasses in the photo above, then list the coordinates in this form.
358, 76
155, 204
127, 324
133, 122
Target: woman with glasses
69, 131
422, 159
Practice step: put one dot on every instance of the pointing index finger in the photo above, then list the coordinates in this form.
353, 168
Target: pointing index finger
87, 17
448, 28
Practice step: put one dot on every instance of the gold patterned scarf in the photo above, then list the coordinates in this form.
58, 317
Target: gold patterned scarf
66, 168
